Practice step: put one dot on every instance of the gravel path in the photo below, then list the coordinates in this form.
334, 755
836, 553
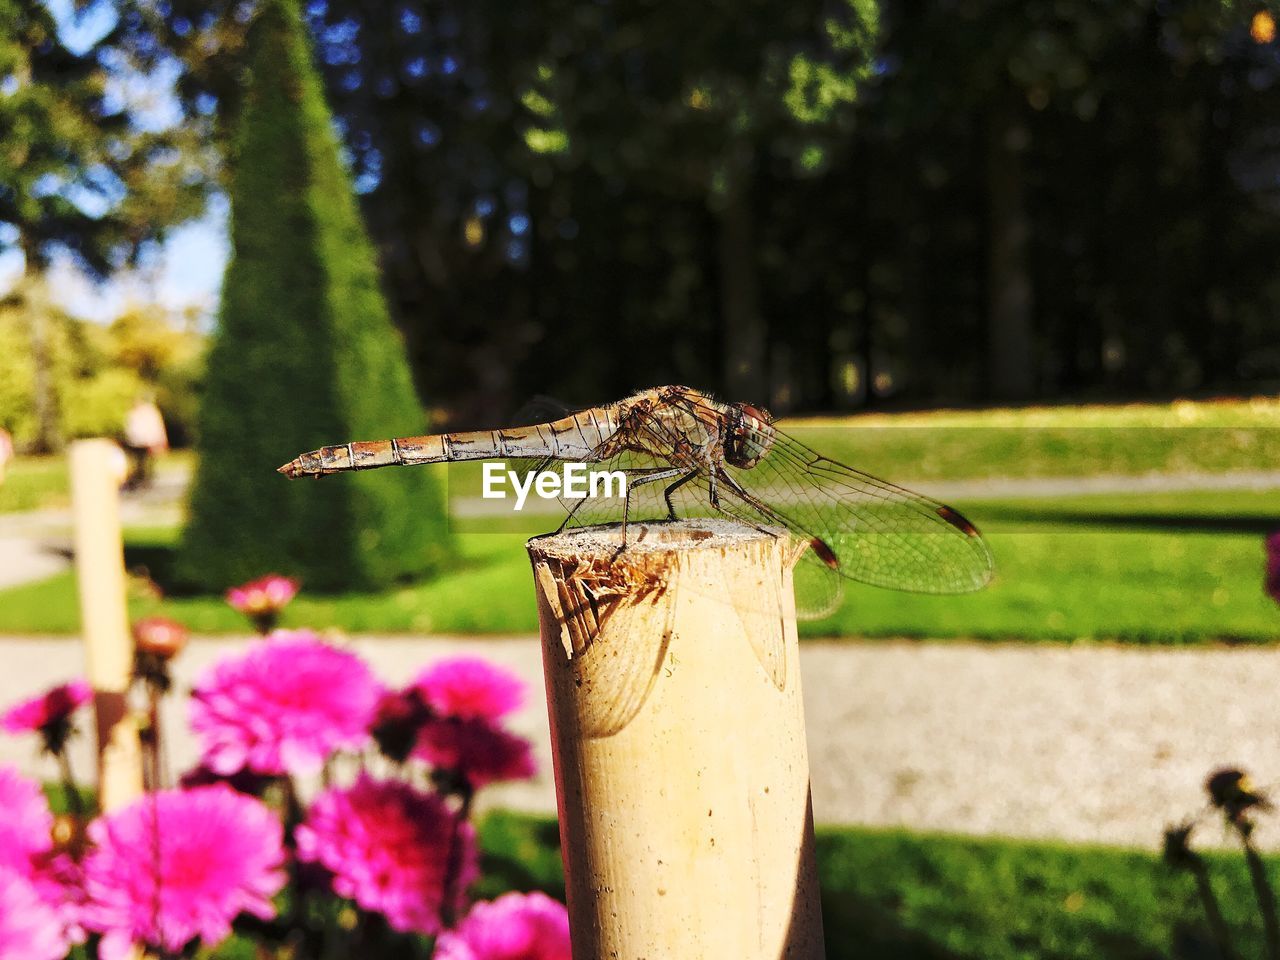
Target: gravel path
1081, 743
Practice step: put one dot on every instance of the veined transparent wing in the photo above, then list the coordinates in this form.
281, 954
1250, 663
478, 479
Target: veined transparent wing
867, 529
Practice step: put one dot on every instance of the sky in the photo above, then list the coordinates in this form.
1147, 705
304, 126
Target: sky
187, 273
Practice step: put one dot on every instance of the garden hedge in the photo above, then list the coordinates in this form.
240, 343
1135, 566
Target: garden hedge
305, 354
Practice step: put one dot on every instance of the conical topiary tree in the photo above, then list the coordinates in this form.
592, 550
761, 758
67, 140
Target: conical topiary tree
305, 354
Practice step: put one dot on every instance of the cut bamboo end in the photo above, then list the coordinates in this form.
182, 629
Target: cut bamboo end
96, 473
682, 774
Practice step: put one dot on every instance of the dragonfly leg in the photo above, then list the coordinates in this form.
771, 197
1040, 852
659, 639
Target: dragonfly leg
569, 516
647, 478
666, 494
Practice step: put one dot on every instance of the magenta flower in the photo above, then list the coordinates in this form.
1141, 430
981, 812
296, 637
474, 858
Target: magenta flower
475, 750
516, 926
399, 717
25, 823
27, 851
59, 881
30, 927
262, 600
387, 845
283, 706
1273, 566
175, 865
48, 714
470, 688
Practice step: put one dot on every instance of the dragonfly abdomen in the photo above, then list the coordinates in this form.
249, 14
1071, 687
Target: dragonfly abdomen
431, 448
575, 437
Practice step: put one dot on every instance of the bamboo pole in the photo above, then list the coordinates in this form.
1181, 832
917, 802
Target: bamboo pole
677, 728
97, 469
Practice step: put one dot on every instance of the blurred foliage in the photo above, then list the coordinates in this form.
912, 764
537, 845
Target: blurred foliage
82, 172
305, 354
97, 372
78, 169
530, 172
933, 201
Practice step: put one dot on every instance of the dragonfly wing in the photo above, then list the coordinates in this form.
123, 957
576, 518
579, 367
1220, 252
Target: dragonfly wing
864, 528
818, 588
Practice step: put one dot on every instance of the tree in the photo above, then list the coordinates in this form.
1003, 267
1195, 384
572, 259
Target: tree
77, 173
304, 355
529, 172
92, 384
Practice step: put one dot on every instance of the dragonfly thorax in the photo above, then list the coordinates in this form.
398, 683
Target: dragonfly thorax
749, 437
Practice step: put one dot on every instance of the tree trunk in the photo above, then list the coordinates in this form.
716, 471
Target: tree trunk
1010, 334
35, 303
743, 326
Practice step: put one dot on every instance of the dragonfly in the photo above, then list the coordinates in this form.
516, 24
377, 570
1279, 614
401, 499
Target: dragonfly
706, 457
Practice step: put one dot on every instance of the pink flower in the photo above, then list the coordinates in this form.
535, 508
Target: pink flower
470, 688
400, 715
180, 864
1273, 566
30, 927
60, 882
262, 600
27, 851
283, 706
478, 751
269, 594
160, 636
516, 926
25, 822
387, 845
47, 710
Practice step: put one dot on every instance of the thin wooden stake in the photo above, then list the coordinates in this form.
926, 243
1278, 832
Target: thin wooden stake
96, 474
682, 774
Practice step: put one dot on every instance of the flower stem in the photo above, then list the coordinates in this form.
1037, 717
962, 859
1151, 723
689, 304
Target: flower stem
153, 742
453, 863
1212, 912
75, 804
1266, 898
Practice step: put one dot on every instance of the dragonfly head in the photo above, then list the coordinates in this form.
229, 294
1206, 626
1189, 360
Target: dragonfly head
750, 435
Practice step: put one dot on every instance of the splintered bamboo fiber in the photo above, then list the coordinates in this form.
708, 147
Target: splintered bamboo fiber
97, 468
682, 774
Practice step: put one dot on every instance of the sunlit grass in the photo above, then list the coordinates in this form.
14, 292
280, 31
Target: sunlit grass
41, 483
1150, 568
34, 483
896, 895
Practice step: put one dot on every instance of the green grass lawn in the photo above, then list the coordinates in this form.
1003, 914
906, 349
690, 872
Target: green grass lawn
894, 895
1149, 568
1068, 441
32, 483
38, 483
